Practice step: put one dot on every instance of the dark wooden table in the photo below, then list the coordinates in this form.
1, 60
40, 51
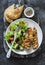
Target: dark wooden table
40, 58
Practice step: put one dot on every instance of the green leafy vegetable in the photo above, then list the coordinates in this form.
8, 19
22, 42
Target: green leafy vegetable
21, 47
15, 46
8, 34
17, 23
13, 27
23, 25
18, 34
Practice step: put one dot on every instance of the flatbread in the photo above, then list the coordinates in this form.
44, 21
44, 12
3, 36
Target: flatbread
12, 13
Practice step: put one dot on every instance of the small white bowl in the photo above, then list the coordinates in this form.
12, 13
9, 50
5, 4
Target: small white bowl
27, 9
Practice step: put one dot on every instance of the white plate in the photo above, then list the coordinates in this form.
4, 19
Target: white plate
32, 24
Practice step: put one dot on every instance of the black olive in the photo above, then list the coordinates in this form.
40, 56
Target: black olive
18, 48
9, 41
17, 39
22, 33
12, 36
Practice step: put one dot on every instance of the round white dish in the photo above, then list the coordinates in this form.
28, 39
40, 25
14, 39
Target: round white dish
32, 24
27, 9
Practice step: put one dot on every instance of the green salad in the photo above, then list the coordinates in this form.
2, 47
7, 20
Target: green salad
19, 35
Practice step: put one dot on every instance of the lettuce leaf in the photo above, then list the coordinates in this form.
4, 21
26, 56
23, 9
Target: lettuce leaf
8, 34
13, 27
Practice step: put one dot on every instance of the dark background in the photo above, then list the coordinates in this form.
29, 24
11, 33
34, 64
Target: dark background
40, 58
